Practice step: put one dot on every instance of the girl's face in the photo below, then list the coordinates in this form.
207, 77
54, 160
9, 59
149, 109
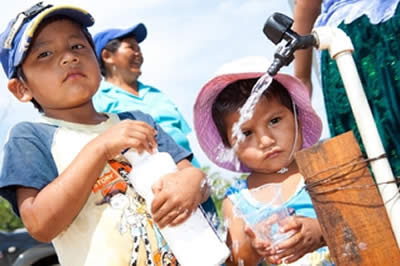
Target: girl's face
270, 136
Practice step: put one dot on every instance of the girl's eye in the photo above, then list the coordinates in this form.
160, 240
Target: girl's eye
44, 54
247, 133
274, 121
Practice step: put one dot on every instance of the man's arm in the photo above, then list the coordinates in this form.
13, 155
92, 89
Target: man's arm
305, 14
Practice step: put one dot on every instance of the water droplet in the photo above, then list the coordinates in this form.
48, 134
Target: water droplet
235, 246
362, 245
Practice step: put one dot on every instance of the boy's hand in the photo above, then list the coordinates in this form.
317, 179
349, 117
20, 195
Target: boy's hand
176, 196
308, 238
127, 134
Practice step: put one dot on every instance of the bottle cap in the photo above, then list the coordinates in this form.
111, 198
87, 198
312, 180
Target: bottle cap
134, 157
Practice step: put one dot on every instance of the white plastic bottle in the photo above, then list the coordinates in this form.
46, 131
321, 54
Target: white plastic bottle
194, 242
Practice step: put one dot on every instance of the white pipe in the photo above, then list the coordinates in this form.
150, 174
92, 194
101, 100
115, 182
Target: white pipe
340, 48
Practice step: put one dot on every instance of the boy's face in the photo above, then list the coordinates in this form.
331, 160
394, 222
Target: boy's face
270, 136
61, 69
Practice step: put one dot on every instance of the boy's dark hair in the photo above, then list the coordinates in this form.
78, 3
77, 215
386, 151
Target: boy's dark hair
235, 95
111, 46
20, 73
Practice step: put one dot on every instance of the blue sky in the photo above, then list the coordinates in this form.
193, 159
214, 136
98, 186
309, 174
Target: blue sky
187, 41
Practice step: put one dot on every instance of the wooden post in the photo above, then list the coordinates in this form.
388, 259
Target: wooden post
349, 208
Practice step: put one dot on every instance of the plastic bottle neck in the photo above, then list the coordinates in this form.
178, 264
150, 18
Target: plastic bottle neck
136, 158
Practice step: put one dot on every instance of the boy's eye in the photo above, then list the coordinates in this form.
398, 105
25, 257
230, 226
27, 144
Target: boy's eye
44, 54
78, 46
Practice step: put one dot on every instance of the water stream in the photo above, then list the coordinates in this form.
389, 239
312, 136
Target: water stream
228, 155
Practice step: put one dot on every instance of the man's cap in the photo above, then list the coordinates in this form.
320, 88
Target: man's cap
17, 38
139, 32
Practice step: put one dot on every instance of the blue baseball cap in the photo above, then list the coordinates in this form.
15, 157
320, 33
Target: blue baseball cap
139, 32
17, 38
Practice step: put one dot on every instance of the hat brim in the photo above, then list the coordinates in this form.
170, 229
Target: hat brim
79, 15
75, 13
208, 135
139, 32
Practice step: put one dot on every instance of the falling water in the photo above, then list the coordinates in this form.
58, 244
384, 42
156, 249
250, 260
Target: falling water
228, 155
247, 110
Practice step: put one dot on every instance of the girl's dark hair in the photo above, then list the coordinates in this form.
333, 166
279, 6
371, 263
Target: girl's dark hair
235, 95
111, 46
19, 73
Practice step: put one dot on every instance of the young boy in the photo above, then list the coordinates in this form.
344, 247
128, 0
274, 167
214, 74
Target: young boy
65, 176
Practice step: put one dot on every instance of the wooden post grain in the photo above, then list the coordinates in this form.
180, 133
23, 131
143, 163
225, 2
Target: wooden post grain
349, 208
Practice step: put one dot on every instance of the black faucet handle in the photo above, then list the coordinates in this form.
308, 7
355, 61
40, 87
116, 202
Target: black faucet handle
276, 26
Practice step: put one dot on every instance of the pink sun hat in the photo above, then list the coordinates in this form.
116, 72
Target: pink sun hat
248, 68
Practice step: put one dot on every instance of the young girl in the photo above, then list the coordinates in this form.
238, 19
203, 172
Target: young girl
283, 123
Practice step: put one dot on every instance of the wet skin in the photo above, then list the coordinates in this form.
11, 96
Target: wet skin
270, 136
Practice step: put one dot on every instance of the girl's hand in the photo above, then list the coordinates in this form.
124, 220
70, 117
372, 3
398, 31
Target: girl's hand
308, 237
176, 196
127, 134
263, 248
